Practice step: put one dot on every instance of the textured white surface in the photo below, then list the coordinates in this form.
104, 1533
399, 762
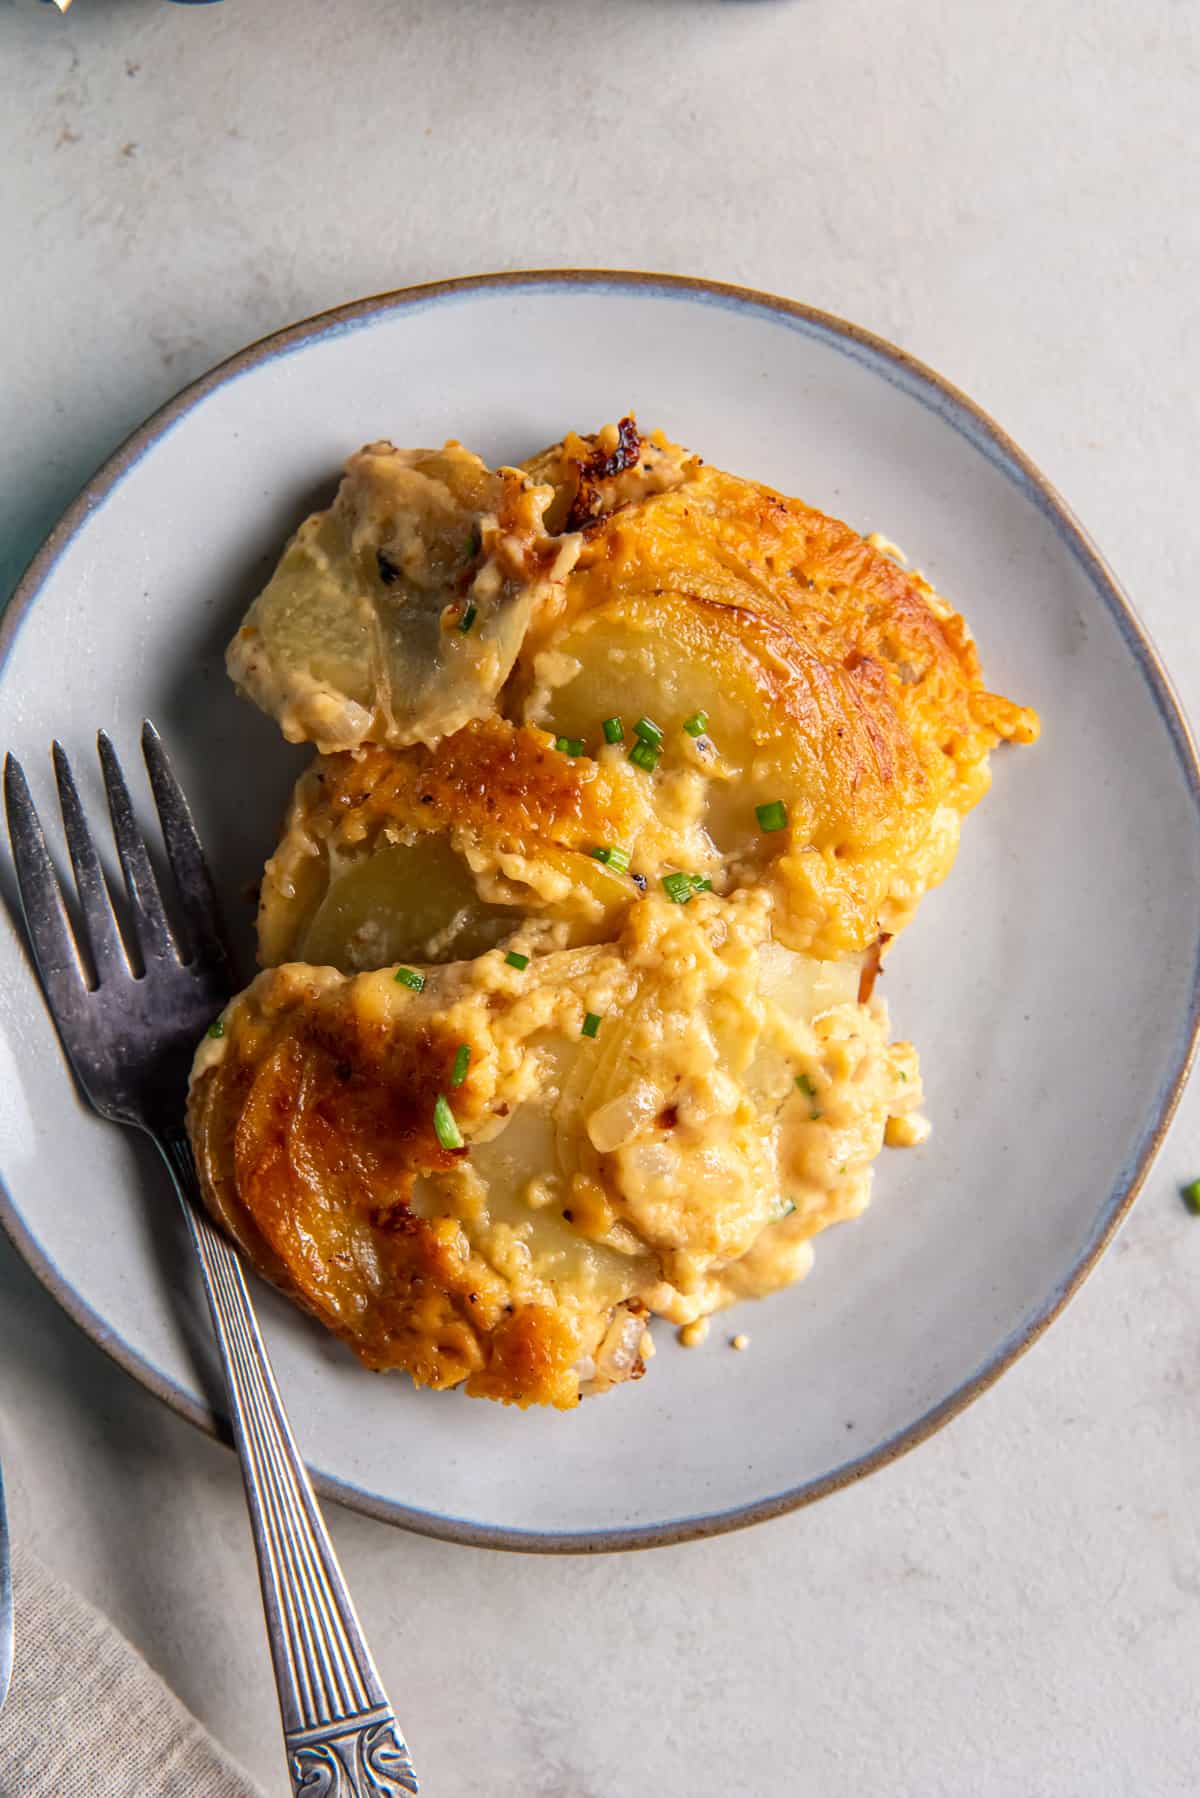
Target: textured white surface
1016, 1608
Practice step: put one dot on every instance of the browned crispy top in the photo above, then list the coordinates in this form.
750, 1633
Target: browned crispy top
834, 679
312, 1130
493, 777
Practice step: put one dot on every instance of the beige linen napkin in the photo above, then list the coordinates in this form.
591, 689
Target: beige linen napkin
87, 1718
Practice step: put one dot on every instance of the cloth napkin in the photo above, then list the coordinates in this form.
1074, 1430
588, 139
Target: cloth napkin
87, 1718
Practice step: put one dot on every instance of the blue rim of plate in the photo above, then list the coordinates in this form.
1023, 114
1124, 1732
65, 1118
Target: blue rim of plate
938, 395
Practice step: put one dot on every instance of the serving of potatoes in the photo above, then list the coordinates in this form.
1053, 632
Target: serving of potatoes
628, 770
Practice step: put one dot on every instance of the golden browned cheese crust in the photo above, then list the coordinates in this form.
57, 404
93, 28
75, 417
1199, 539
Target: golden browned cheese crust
432, 854
311, 1133
833, 679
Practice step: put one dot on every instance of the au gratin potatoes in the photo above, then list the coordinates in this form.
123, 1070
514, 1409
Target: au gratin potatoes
627, 773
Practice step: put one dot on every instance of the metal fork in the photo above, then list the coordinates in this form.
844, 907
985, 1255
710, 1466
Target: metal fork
129, 1032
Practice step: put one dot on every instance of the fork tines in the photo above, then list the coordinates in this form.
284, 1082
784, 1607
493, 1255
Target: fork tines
54, 947
56, 950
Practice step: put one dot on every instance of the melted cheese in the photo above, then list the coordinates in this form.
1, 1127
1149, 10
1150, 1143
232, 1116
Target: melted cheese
670, 1163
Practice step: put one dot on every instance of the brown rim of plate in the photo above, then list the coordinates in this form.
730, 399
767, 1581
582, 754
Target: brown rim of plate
988, 438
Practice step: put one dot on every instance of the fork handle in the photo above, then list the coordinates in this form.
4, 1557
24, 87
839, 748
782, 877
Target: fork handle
340, 1732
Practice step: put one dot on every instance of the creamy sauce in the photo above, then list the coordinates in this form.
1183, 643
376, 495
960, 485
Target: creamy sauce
397, 615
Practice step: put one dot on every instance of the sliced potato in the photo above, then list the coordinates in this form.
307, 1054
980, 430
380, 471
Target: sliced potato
401, 902
781, 727
835, 685
395, 617
437, 855
598, 1175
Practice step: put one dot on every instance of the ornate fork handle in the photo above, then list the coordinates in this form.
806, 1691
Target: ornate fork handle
341, 1734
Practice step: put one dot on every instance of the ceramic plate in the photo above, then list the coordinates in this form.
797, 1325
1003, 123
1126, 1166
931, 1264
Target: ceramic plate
1051, 985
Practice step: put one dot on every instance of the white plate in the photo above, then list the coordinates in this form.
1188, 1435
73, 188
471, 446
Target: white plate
1051, 985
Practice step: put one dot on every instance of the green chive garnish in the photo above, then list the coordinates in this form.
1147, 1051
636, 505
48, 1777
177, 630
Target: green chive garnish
696, 725
462, 1061
569, 745
677, 887
448, 1132
591, 1023
644, 755
409, 977
648, 732
784, 1209
806, 1086
773, 816
217, 1027
1191, 1197
613, 857
614, 730
475, 541
515, 959
468, 618
701, 883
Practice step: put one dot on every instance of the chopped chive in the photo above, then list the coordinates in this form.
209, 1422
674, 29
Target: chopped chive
515, 959
569, 745
468, 618
677, 887
644, 755
614, 730
217, 1027
410, 977
773, 816
448, 1132
613, 857
784, 1209
696, 725
591, 1023
680, 887
1191, 1197
806, 1086
462, 1061
648, 732
475, 540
